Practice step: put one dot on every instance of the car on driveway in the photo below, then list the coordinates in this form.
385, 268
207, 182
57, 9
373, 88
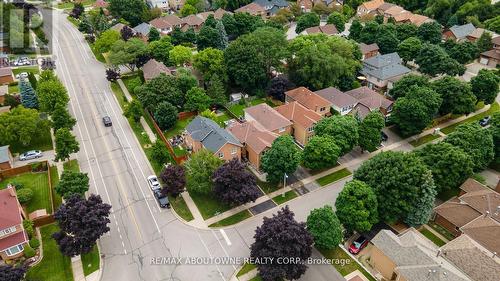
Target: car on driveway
107, 121
153, 183
32, 154
358, 245
162, 199
485, 121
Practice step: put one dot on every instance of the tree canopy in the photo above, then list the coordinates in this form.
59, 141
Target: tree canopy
325, 228
199, 170
370, 131
21, 125
234, 184
65, 144
305, 21
133, 11
342, 129
356, 207
485, 86
283, 157
174, 180
320, 152
72, 183
401, 86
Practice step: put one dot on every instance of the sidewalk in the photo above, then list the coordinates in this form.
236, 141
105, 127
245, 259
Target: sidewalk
125, 90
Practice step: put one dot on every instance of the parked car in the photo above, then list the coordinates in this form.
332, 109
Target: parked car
162, 199
32, 154
22, 75
107, 121
153, 182
358, 245
485, 121
384, 136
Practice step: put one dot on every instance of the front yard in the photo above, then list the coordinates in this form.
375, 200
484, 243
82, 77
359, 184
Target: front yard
333, 177
39, 183
350, 265
32, 69
90, 261
208, 205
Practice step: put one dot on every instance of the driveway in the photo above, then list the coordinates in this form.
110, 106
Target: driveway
47, 155
472, 70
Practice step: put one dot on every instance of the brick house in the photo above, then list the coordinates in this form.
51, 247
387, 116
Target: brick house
372, 100
269, 119
303, 120
13, 238
166, 24
204, 133
369, 7
368, 51
327, 29
341, 102
379, 69
253, 9
6, 76
154, 68
192, 21
458, 33
309, 100
491, 57
6, 159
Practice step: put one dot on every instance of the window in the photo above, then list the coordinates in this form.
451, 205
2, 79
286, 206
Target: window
14, 250
310, 129
234, 150
281, 130
7, 231
322, 109
221, 154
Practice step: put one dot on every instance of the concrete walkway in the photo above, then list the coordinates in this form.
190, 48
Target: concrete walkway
198, 220
125, 90
148, 130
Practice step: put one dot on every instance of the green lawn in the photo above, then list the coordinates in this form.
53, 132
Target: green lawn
120, 96
97, 54
33, 69
425, 139
74, 21
436, 240
54, 266
441, 230
72, 165
54, 178
335, 176
289, 195
180, 125
247, 267
220, 119
131, 81
42, 142
90, 261
14, 88
234, 219
267, 187
179, 151
494, 108
181, 208
351, 265
256, 278
237, 109
39, 183
69, 5
208, 206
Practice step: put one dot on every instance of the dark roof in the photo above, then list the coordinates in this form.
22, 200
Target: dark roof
337, 97
210, 134
368, 48
461, 31
143, 28
268, 5
384, 66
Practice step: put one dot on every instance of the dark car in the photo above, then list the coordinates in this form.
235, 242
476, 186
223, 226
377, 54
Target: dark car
107, 121
384, 136
358, 245
162, 199
485, 121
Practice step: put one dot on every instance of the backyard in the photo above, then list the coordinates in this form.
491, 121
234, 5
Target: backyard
42, 142
238, 109
39, 183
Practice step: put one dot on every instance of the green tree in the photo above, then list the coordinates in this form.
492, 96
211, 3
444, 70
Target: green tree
493, 24
434, 60
409, 49
223, 40
180, 55
430, 32
159, 49
355, 30
66, 144
154, 34
325, 228
342, 129
320, 152
50, 93
282, 158
369, 32
127, 53
28, 95
21, 125
338, 20
370, 131
132, 11
422, 209
474, 141
210, 62
456, 95
208, 37
356, 207
495, 132
216, 90
197, 100
305, 21
387, 42
187, 10
405, 31
397, 179
159, 152
106, 40
61, 118
32, 79
401, 86
484, 42
199, 170
166, 115
464, 52
450, 166
133, 110
72, 183
160, 89
485, 86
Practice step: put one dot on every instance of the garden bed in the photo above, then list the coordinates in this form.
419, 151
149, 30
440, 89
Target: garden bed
333, 177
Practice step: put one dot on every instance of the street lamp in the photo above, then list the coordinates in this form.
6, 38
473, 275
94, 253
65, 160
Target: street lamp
285, 176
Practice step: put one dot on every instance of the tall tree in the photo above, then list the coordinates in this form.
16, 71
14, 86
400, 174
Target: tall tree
106, 40
320, 152
342, 129
61, 118
21, 125
81, 222
325, 228
211, 62
456, 95
166, 115
208, 37
409, 48
450, 166
223, 40
370, 131
305, 21
387, 42
485, 86
484, 42
401, 86
434, 60
132, 11
199, 170
216, 90
405, 31
160, 49
397, 179
126, 33
430, 32
66, 144
282, 158
50, 93
234, 184
356, 207
72, 183
128, 53
154, 34
12, 273
338, 20
28, 96
278, 86
174, 180
278, 237
355, 30
422, 209
197, 100
180, 55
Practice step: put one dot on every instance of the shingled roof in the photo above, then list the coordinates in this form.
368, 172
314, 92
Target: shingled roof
210, 134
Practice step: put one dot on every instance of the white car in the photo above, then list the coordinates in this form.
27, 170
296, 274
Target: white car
153, 182
22, 75
32, 154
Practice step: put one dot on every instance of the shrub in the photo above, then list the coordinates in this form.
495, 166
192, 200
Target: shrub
17, 185
34, 243
24, 195
29, 252
28, 226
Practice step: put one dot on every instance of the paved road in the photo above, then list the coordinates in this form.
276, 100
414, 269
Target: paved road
117, 167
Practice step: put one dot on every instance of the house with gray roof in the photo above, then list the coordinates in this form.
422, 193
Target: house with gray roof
142, 29
271, 6
204, 133
410, 256
379, 69
341, 102
6, 159
459, 32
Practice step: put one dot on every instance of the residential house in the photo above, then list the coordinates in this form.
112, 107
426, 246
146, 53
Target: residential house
162, 4
6, 76
328, 29
255, 138
6, 159
13, 238
379, 69
369, 7
475, 212
303, 120
410, 256
309, 99
204, 133
409, 17
368, 51
154, 68
142, 30
272, 6
491, 57
192, 21
176, 5
100, 4
471, 258
253, 9
268, 118
118, 27
389, 10
305, 5
218, 14
341, 102
4, 90
476, 34
458, 33
166, 24
371, 100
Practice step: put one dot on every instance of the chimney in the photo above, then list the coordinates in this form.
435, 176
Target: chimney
486, 214
12, 190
